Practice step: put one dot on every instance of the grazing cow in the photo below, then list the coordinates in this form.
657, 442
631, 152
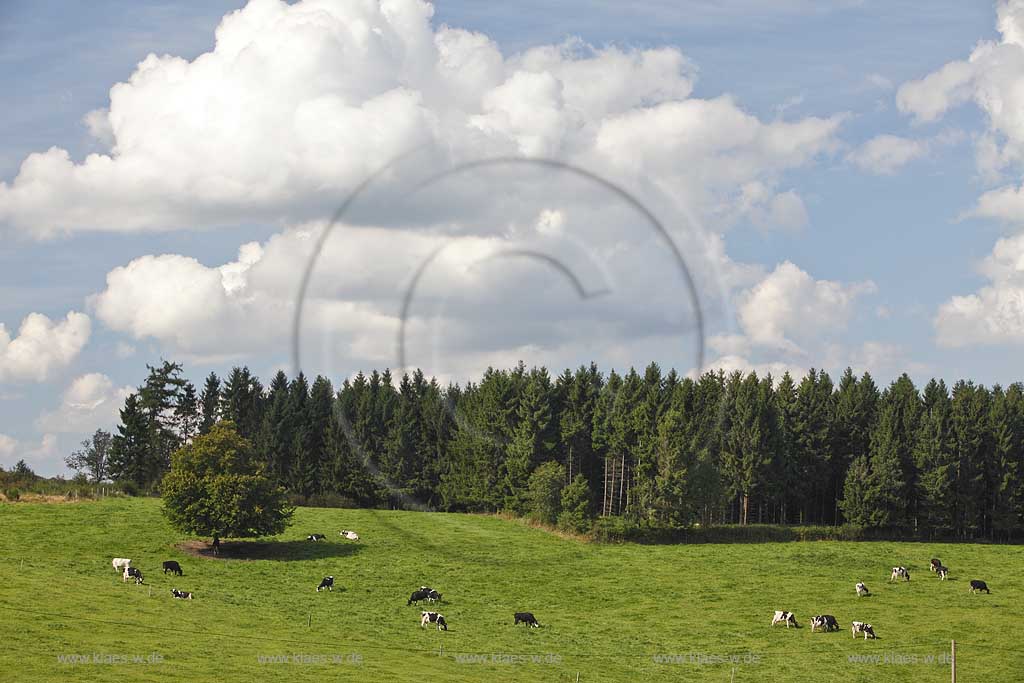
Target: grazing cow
132, 573
788, 617
417, 596
826, 622
183, 595
860, 627
433, 596
899, 573
172, 566
433, 618
315, 537
943, 572
120, 563
978, 586
526, 618
327, 583
935, 564
350, 535
862, 590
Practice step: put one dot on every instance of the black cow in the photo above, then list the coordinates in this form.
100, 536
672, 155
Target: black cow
216, 545
184, 595
327, 583
132, 573
433, 618
315, 537
526, 618
417, 596
172, 566
978, 586
826, 622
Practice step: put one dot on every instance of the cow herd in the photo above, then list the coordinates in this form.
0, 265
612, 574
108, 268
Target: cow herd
130, 573
124, 565
827, 622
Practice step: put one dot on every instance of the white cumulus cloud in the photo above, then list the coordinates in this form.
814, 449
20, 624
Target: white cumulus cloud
91, 402
41, 346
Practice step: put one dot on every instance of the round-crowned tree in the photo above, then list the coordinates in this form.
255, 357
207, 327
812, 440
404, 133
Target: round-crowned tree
216, 488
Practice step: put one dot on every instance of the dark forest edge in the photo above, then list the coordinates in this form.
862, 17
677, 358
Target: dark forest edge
636, 456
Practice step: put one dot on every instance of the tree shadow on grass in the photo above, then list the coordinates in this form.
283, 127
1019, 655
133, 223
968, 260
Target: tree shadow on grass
284, 551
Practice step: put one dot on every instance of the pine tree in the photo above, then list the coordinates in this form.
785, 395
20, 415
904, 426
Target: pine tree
209, 402
856, 504
532, 439
934, 460
577, 506
129, 449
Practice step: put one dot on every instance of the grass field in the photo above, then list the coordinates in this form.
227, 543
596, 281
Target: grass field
608, 611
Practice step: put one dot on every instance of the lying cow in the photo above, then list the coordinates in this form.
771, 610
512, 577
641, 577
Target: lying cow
183, 595
899, 573
862, 590
433, 618
328, 583
826, 622
978, 586
132, 573
172, 566
782, 616
526, 618
350, 535
860, 627
315, 537
935, 564
120, 563
417, 596
943, 572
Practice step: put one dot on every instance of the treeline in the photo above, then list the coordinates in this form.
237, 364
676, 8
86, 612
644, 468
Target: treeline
653, 448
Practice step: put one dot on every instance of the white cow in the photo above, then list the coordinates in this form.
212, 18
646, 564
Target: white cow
899, 573
787, 617
121, 563
350, 535
861, 627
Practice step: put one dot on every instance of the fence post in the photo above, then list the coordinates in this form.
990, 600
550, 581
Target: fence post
953, 659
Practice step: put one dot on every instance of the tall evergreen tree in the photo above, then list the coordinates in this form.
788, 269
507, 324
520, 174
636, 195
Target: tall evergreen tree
209, 403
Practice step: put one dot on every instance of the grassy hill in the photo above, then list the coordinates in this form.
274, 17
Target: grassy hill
609, 612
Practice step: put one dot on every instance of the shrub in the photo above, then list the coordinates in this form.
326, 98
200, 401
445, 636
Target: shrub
12, 494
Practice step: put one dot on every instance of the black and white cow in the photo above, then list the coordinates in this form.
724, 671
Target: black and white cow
132, 573
943, 572
120, 563
433, 596
861, 589
978, 586
183, 595
826, 622
861, 627
935, 564
526, 618
315, 537
417, 596
350, 535
433, 618
172, 566
327, 583
783, 616
899, 573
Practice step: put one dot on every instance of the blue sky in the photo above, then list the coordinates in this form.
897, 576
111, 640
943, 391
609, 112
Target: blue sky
829, 253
